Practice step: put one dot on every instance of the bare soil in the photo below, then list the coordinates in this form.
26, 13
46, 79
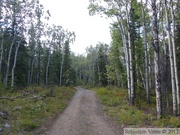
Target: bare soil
84, 116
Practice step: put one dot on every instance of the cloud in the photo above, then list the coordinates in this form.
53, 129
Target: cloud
74, 16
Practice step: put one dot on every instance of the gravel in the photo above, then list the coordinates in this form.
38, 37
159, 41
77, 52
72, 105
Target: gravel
84, 116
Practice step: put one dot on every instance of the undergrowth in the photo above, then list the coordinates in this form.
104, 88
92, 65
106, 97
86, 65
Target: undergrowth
141, 115
27, 113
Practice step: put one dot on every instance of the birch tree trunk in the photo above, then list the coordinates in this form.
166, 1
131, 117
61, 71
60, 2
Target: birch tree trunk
130, 54
14, 31
166, 71
142, 78
156, 60
126, 50
173, 83
39, 47
8, 61
15, 60
174, 56
149, 66
16, 53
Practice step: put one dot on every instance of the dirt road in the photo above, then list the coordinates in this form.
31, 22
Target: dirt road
83, 116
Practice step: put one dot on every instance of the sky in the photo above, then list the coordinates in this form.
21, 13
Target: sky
74, 16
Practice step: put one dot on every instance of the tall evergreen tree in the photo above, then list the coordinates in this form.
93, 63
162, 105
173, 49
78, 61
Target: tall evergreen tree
67, 65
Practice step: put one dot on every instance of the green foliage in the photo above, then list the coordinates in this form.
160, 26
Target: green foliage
115, 105
101, 61
29, 112
67, 71
33, 65
54, 67
172, 122
28, 125
21, 70
103, 91
115, 69
131, 116
175, 122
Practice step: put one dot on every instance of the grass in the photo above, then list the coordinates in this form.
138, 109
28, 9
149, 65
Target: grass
141, 115
28, 113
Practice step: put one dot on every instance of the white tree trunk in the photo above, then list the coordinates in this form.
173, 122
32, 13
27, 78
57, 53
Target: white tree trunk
165, 79
173, 83
130, 53
125, 45
142, 78
15, 60
156, 61
174, 56
123, 29
8, 61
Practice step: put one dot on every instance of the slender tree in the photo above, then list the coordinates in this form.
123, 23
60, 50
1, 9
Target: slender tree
174, 56
155, 45
145, 54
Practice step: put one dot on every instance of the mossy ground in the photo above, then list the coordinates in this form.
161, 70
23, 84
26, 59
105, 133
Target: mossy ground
141, 115
30, 112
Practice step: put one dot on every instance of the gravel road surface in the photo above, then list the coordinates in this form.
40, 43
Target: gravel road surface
83, 116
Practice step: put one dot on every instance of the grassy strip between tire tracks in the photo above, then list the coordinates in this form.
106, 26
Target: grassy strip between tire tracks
141, 115
28, 113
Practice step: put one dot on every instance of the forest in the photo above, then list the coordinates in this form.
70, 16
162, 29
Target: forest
143, 57
144, 52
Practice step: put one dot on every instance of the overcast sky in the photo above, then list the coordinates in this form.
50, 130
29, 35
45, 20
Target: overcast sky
74, 16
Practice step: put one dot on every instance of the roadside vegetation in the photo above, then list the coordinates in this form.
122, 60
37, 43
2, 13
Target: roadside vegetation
28, 111
143, 58
115, 104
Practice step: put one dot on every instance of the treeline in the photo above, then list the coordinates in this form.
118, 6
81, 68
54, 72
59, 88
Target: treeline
32, 52
144, 56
